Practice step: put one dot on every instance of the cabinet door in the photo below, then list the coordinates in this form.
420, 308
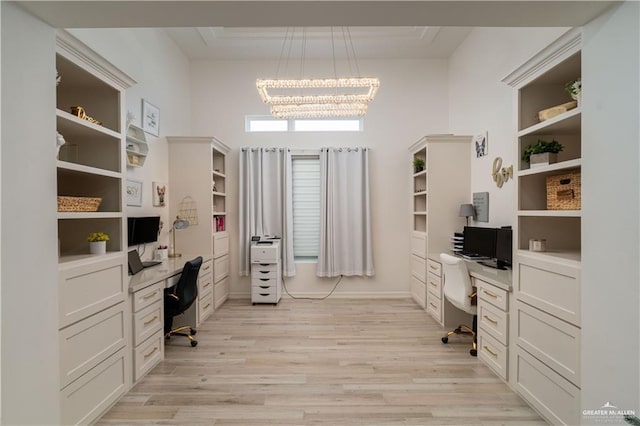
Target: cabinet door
220, 268
220, 244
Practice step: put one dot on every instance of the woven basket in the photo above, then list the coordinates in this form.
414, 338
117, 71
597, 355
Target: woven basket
78, 204
563, 191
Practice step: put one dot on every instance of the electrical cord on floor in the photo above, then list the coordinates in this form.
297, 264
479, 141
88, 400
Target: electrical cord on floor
311, 298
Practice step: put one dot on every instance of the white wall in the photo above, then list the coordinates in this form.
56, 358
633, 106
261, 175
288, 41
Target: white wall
153, 59
480, 102
412, 102
610, 221
30, 359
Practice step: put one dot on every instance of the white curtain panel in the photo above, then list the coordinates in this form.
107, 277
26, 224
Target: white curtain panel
266, 207
345, 226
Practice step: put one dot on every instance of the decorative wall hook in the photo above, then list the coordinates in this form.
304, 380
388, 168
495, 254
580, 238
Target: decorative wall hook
501, 174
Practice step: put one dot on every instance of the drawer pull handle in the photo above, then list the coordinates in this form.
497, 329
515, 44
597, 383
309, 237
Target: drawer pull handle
206, 268
150, 295
433, 267
486, 348
488, 293
206, 307
146, 323
264, 264
264, 272
491, 320
433, 284
153, 351
207, 284
265, 294
435, 306
264, 286
263, 279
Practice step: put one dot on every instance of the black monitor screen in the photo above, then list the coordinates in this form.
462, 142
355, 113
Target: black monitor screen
479, 241
503, 245
142, 230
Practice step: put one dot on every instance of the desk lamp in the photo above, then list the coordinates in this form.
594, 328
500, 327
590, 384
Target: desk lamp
177, 224
467, 210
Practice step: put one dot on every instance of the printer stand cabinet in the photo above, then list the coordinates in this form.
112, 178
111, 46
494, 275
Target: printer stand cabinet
266, 279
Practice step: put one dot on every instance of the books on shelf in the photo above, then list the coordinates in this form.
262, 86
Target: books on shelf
218, 223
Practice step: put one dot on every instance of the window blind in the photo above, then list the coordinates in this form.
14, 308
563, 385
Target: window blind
306, 207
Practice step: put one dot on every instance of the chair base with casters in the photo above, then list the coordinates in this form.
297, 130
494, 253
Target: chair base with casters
464, 329
186, 331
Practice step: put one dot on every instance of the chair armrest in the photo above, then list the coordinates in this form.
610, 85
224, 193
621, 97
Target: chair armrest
174, 296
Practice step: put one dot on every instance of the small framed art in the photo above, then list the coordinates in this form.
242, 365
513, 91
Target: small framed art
134, 192
150, 118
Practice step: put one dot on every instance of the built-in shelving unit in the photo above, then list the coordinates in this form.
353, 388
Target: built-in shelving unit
547, 317
434, 211
93, 336
206, 184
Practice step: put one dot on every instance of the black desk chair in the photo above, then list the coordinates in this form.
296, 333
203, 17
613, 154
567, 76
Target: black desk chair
179, 298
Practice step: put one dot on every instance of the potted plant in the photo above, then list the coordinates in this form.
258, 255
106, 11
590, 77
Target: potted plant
574, 89
418, 164
98, 242
542, 153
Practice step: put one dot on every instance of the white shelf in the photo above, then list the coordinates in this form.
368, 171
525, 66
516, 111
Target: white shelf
220, 194
563, 165
219, 213
550, 213
90, 215
416, 194
71, 260
86, 124
568, 122
574, 257
139, 154
422, 173
65, 165
420, 213
222, 175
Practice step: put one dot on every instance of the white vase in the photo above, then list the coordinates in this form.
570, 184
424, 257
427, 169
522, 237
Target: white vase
98, 247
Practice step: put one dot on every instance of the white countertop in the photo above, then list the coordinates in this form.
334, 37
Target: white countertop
498, 277
168, 268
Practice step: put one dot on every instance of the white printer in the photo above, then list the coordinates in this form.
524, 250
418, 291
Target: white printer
266, 278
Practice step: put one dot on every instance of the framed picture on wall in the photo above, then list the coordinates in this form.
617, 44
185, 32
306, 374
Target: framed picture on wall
150, 118
134, 192
481, 144
159, 194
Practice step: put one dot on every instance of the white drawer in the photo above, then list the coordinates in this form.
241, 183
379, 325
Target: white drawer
434, 307
147, 322
493, 321
264, 267
220, 268
263, 282
220, 244
259, 273
492, 294
434, 284
259, 295
419, 244
90, 288
85, 344
205, 284
552, 287
418, 268
86, 398
205, 306
147, 355
221, 292
205, 268
435, 267
493, 353
553, 341
553, 396
148, 296
419, 292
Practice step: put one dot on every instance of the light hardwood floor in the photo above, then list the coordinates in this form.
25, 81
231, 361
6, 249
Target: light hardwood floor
331, 362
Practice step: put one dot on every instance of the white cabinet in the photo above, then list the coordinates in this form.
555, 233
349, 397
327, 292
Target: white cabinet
94, 324
266, 270
493, 326
198, 171
436, 198
137, 147
148, 328
547, 284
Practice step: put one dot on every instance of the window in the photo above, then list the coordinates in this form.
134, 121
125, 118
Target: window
254, 123
306, 207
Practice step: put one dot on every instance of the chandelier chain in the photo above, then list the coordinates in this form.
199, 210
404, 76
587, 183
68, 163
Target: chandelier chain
355, 58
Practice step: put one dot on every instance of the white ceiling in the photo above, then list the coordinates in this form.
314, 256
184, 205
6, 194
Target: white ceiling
316, 42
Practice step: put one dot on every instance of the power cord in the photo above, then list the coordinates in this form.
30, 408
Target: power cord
311, 298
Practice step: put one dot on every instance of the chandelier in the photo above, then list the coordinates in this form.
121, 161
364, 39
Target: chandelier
318, 97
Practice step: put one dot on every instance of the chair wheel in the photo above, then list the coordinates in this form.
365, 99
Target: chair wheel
193, 332
445, 340
194, 343
473, 352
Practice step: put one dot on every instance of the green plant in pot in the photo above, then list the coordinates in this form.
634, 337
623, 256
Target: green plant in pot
98, 242
542, 153
574, 89
418, 164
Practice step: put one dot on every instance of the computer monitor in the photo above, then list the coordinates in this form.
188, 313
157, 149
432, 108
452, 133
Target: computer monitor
480, 242
504, 238
142, 230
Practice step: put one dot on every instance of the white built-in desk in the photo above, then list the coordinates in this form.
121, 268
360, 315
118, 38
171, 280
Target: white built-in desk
494, 289
146, 292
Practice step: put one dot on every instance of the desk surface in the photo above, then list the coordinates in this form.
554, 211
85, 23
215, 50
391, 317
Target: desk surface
168, 268
497, 277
